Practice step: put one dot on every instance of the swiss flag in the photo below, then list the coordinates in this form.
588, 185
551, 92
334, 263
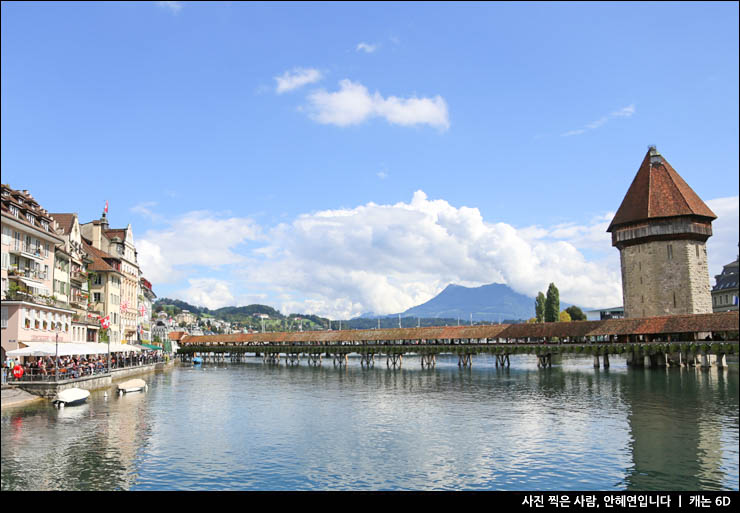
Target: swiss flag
105, 322
106, 206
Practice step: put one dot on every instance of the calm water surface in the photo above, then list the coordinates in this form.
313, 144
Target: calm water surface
252, 426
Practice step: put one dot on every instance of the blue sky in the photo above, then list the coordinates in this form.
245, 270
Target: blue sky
339, 158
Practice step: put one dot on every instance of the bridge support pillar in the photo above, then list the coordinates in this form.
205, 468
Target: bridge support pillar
597, 363
465, 360
340, 359
544, 360
428, 360
394, 360
314, 359
367, 359
292, 359
706, 360
271, 358
721, 362
673, 359
503, 360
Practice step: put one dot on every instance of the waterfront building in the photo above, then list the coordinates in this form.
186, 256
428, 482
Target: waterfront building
119, 242
105, 289
187, 317
660, 230
144, 320
72, 277
30, 312
725, 291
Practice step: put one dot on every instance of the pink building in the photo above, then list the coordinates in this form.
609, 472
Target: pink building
30, 311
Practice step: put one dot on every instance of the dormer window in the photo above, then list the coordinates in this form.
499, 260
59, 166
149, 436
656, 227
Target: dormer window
14, 210
45, 225
30, 218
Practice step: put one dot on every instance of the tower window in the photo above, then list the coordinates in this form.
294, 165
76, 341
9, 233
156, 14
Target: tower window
674, 300
670, 252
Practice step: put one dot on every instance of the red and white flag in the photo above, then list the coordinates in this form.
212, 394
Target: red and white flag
105, 322
124, 305
142, 310
106, 206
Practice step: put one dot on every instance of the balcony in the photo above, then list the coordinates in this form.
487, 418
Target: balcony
78, 276
27, 251
27, 273
37, 299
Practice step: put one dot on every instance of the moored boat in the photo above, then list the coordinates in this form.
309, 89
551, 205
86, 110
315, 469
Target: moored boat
71, 397
132, 385
197, 360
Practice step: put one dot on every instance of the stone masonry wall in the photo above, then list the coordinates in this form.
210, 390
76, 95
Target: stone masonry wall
665, 278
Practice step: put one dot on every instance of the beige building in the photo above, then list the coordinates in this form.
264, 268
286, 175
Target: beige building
105, 289
119, 245
661, 229
71, 277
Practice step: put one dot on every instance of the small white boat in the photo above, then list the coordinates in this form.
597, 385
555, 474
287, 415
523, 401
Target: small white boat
132, 385
71, 396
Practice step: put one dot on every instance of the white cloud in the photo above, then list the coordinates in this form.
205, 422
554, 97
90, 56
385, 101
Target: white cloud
722, 246
208, 292
367, 48
624, 112
353, 104
172, 6
387, 258
198, 238
298, 77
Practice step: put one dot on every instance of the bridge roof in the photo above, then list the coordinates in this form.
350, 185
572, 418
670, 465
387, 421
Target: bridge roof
696, 323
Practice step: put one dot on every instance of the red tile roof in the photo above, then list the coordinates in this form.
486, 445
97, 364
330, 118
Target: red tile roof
657, 192
673, 324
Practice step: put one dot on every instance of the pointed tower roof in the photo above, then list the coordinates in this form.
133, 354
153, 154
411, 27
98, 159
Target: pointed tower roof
658, 192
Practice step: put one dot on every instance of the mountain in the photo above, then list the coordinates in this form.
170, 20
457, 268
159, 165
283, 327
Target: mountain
494, 302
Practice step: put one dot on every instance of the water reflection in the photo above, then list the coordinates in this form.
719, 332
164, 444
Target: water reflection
256, 426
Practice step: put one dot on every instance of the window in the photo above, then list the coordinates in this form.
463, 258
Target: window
14, 210
670, 252
674, 300
697, 251
98, 280
4, 317
96, 297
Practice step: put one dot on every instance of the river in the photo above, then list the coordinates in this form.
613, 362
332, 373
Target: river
255, 426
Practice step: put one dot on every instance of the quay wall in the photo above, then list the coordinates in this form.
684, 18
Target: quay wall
49, 389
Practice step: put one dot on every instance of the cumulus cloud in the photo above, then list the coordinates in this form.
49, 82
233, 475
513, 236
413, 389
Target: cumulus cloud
298, 77
365, 47
624, 112
387, 258
353, 104
208, 292
198, 238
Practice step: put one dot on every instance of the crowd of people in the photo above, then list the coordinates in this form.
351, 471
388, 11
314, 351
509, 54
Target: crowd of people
44, 368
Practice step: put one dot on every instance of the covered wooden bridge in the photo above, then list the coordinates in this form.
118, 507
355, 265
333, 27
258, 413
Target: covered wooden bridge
671, 340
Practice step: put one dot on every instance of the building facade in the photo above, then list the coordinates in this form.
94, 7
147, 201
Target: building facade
660, 230
119, 244
725, 290
30, 310
85, 325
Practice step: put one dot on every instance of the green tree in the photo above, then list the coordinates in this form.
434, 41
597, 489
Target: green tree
576, 313
552, 304
539, 307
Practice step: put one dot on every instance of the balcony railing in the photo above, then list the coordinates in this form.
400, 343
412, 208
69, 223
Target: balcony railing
27, 273
17, 295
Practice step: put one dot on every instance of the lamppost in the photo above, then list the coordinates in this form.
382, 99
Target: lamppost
56, 358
